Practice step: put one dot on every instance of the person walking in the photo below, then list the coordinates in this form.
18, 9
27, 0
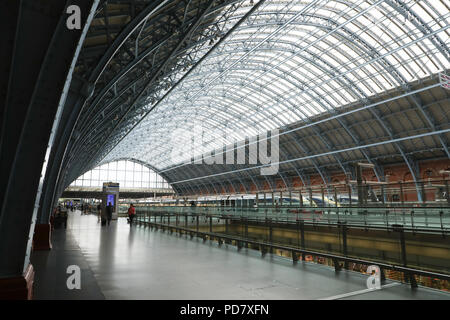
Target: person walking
99, 212
109, 210
131, 213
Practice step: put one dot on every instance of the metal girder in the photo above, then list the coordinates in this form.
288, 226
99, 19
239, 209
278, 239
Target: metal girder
347, 80
402, 151
264, 112
184, 36
68, 118
248, 175
108, 60
395, 141
127, 68
93, 78
430, 121
211, 50
420, 24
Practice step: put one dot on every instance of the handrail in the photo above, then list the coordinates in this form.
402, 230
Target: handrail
328, 224
417, 220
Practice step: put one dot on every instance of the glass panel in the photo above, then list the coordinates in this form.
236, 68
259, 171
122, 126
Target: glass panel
290, 61
129, 166
135, 175
120, 165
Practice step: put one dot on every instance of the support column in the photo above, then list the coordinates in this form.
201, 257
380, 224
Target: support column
78, 93
343, 226
447, 190
407, 276
246, 231
19, 287
33, 89
349, 195
270, 234
300, 198
359, 185
302, 237
42, 237
226, 225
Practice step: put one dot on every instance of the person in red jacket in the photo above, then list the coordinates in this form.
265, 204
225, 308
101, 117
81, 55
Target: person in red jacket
131, 213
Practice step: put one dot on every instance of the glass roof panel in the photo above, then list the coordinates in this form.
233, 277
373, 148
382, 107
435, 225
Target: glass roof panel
290, 61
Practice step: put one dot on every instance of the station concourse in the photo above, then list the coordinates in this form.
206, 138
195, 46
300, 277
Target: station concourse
133, 263
271, 149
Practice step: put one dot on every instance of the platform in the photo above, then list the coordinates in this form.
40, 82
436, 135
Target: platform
119, 262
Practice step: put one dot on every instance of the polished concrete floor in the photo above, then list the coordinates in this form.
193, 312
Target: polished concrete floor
119, 262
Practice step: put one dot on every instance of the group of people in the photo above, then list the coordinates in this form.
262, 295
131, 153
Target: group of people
70, 207
59, 214
106, 220
85, 208
59, 217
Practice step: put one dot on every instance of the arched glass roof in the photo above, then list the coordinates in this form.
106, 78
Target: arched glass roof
291, 61
128, 173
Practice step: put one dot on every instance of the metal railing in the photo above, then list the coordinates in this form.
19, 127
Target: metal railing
412, 218
188, 221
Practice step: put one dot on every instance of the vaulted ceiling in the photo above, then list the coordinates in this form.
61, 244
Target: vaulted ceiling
341, 81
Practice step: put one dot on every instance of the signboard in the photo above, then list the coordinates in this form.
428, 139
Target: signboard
111, 195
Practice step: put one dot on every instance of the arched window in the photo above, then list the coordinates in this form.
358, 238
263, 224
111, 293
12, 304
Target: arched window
128, 174
407, 176
428, 173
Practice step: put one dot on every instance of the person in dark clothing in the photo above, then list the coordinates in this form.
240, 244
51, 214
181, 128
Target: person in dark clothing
109, 210
64, 218
99, 212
